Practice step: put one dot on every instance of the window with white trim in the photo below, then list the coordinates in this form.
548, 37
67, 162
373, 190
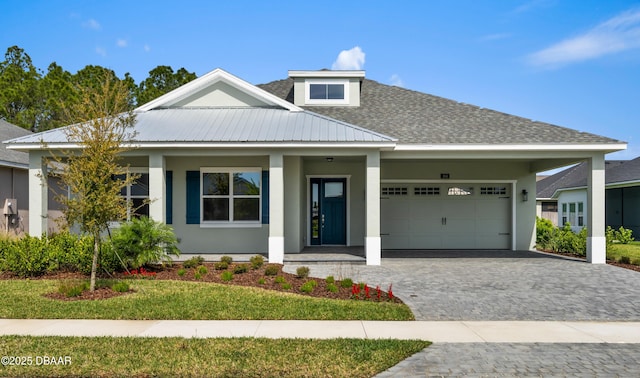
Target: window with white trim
327, 91
573, 213
230, 195
136, 194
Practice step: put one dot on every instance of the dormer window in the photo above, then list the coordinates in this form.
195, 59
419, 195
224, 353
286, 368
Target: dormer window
327, 92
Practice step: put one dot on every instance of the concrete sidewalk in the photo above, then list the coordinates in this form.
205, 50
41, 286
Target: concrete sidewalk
435, 331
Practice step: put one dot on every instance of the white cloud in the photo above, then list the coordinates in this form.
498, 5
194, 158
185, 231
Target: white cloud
617, 34
91, 24
349, 59
147, 48
101, 51
121, 42
396, 80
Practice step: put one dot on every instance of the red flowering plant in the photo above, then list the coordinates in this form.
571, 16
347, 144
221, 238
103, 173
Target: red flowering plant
141, 273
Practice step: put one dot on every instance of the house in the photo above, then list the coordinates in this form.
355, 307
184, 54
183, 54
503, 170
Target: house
561, 197
332, 158
14, 185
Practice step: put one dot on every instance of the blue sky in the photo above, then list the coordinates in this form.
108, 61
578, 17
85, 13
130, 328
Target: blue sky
571, 63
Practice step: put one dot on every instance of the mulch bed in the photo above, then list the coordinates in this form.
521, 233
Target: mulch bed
251, 278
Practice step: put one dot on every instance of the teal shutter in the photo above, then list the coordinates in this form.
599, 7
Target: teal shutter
169, 196
265, 197
193, 197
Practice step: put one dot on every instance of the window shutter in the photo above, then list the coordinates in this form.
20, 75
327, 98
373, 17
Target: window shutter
265, 197
169, 196
193, 197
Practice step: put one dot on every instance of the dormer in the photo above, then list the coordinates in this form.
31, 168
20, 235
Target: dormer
326, 88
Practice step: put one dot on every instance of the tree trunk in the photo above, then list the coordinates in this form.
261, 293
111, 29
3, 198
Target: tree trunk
94, 264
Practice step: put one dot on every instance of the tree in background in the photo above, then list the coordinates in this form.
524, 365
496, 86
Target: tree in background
162, 80
57, 91
20, 100
102, 127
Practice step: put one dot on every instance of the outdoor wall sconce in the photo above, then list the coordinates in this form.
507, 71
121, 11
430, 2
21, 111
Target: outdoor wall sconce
525, 195
329, 159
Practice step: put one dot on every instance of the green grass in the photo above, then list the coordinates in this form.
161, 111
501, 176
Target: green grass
632, 250
163, 300
239, 357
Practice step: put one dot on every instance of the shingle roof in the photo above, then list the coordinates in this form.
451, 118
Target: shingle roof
228, 125
9, 157
616, 171
420, 118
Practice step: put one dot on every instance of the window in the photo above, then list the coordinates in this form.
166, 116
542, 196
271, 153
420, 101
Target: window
136, 194
493, 190
573, 213
327, 91
231, 195
394, 191
458, 191
426, 191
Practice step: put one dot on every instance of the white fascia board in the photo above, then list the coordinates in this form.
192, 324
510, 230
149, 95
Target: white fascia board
556, 194
245, 145
326, 74
622, 184
511, 147
211, 78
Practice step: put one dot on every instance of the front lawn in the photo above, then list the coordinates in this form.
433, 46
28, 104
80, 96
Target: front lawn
178, 357
166, 300
630, 250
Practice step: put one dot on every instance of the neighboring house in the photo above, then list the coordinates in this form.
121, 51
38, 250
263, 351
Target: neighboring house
562, 197
14, 184
332, 158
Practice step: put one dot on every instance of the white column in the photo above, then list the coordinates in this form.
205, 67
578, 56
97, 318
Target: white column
372, 237
276, 208
157, 187
596, 241
38, 196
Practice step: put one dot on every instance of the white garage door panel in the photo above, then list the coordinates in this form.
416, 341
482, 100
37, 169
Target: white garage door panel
481, 220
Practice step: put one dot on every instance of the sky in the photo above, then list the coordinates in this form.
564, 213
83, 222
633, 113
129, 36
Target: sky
567, 62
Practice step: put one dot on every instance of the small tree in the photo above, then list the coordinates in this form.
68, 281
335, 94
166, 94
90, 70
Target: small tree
102, 129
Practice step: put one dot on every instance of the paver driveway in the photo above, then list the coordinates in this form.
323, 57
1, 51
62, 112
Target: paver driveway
505, 285
499, 285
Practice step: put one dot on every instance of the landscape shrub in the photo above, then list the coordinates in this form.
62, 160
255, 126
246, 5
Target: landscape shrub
197, 276
307, 287
227, 259
193, 262
560, 239
143, 241
623, 235
220, 265
120, 287
28, 256
635, 261
346, 282
624, 260
271, 270
262, 281
241, 268
332, 288
226, 275
203, 270
302, 272
256, 261
72, 288
181, 272
286, 286
279, 280
330, 280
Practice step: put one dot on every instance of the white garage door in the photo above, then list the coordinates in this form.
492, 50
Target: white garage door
446, 216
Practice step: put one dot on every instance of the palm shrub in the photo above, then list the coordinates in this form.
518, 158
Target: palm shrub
143, 241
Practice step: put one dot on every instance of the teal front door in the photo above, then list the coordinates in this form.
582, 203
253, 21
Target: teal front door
328, 211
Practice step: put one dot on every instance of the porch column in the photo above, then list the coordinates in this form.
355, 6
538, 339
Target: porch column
596, 240
372, 234
276, 208
157, 187
38, 194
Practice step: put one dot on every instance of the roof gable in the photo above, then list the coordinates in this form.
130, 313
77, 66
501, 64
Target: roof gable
217, 88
